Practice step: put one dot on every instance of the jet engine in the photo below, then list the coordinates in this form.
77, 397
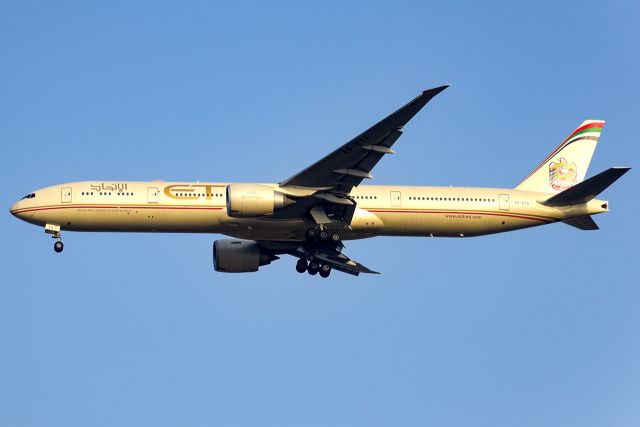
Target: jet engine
239, 256
250, 200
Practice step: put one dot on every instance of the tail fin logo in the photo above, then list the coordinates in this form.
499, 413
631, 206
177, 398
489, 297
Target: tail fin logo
562, 174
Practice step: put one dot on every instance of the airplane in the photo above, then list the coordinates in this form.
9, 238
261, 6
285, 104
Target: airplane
312, 213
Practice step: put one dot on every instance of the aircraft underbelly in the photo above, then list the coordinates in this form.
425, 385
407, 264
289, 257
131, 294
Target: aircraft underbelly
444, 224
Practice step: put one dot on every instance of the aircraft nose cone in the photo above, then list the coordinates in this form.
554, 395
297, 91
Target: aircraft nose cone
14, 208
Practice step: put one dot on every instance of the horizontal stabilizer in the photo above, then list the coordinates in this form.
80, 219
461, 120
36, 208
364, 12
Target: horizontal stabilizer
586, 190
582, 223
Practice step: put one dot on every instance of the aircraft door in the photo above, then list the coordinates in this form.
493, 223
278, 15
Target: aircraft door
65, 195
396, 198
152, 194
504, 202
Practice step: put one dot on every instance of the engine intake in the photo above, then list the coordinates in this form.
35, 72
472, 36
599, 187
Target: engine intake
239, 256
250, 200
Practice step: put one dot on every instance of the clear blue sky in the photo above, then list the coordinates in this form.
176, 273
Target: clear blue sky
538, 327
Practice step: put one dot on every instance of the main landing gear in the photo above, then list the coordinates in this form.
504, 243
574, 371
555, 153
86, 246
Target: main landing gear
313, 267
322, 235
316, 238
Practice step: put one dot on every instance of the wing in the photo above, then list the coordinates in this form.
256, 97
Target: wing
341, 262
347, 166
324, 253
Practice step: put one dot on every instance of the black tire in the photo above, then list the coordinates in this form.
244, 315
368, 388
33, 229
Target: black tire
311, 234
58, 246
301, 265
324, 235
313, 268
325, 270
335, 237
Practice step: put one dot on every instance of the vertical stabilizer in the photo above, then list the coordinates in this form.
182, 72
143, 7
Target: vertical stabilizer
567, 165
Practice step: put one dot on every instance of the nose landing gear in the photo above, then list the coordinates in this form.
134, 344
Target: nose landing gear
54, 230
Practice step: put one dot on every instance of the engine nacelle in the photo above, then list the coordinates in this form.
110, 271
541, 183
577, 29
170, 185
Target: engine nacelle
250, 200
239, 256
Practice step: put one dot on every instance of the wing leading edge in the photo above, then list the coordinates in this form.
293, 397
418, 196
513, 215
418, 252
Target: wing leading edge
347, 166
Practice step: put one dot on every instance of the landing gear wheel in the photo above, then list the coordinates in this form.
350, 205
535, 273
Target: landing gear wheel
324, 235
335, 237
58, 246
301, 265
311, 234
325, 270
313, 268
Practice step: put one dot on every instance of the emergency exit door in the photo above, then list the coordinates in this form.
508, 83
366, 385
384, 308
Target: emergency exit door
396, 198
152, 194
65, 195
504, 201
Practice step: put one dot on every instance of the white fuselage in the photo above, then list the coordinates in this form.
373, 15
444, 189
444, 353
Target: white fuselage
197, 207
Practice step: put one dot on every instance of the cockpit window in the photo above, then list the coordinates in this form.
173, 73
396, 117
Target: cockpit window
29, 196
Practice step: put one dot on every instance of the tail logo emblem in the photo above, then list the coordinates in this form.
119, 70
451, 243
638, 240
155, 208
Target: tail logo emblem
562, 174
